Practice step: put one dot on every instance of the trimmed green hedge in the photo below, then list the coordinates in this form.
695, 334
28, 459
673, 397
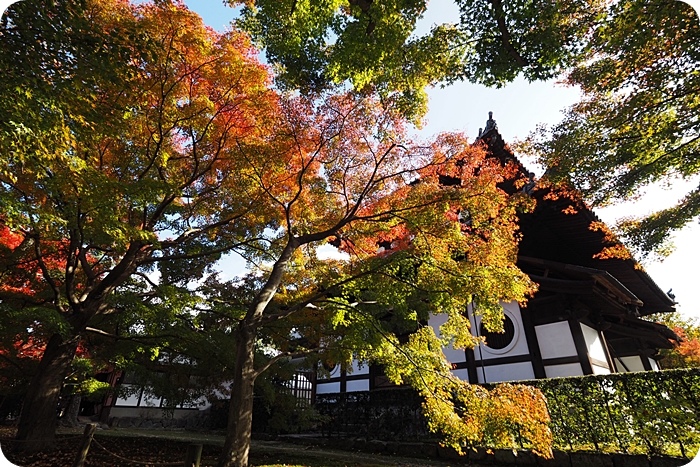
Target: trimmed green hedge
651, 412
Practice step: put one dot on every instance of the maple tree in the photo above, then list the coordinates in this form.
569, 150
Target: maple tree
636, 124
374, 45
175, 151
113, 159
686, 352
635, 63
351, 186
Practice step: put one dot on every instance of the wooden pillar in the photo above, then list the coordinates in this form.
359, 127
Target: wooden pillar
194, 455
533, 344
471, 366
581, 347
85, 445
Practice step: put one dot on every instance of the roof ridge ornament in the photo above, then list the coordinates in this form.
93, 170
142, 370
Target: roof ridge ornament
490, 125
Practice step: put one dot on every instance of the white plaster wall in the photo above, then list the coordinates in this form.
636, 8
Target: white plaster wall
327, 388
555, 340
152, 413
453, 355
358, 385
200, 404
654, 364
507, 372
359, 368
462, 374
149, 400
519, 344
633, 363
563, 370
594, 343
600, 370
131, 400
335, 372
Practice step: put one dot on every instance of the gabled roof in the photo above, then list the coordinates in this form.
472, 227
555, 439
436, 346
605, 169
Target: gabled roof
563, 229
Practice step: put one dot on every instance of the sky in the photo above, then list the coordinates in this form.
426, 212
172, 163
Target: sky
518, 108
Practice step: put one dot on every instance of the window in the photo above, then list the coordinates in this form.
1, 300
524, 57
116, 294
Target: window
499, 340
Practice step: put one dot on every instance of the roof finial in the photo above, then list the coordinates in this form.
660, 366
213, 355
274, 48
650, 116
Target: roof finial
490, 124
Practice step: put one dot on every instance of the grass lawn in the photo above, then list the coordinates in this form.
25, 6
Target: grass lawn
116, 447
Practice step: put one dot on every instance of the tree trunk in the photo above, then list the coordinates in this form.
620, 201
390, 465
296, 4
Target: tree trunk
38, 420
70, 416
240, 416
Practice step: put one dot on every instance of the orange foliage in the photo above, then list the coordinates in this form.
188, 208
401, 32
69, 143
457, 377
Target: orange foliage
613, 248
22, 270
688, 349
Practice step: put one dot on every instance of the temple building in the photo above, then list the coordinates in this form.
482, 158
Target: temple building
587, 316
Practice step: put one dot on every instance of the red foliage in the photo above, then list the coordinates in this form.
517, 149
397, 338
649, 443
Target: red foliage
689, 348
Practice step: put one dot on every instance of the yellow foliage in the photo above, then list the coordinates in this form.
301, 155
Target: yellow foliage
469, 415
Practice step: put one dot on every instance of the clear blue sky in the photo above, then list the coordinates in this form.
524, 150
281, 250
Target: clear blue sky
518, 109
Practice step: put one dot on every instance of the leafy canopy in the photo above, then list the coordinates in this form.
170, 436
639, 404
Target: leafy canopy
134, 165
373, 45
111, 175
637, 124
636, 63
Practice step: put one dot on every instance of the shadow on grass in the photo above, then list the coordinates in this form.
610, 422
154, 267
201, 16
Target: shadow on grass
116, 447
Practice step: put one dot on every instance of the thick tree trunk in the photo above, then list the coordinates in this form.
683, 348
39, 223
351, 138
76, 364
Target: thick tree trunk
240, 416
70, 416
38, 420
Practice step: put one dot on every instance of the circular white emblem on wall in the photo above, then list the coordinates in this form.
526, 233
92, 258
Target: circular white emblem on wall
501, 342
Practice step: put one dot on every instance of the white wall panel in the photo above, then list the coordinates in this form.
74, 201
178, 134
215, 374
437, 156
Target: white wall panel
357, 385
359, 369
564, 370
327, 388
335, 372
453, 355
507, 372
462, 374
132, 400
633, 363
594, 343
518, 345
555, 340
149, 400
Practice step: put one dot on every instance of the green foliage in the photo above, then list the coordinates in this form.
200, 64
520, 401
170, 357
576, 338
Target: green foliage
373, 45
277, 410
636, 63
637, 122
94, 389
464, 414
654, 412
178, 151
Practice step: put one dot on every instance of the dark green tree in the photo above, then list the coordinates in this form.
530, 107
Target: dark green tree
373, 46
637, 123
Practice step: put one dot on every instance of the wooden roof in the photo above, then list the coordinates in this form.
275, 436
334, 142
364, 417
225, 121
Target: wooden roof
563, 229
